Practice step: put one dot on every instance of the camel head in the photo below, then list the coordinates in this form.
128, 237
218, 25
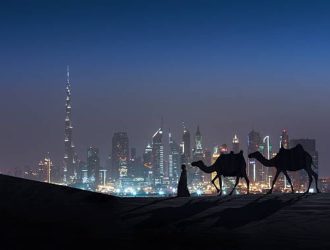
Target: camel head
255, 155
197, 164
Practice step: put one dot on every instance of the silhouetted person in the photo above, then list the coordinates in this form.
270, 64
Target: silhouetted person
182, 186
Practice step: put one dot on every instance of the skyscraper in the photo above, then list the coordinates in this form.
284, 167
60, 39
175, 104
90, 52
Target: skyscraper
132, 166
69, 150
158, 156
45, 169
198, 155
255, 168
174, 160
198, 149
93, 165
185, 146
120, 155
235, 144
147, 164
284, 139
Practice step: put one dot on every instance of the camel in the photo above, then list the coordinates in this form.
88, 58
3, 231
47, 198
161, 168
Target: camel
227, 165
289, 160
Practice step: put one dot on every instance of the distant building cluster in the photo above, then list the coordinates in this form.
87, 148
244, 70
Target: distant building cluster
157, 171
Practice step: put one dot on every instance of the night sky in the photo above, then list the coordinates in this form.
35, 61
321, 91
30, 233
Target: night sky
229, 66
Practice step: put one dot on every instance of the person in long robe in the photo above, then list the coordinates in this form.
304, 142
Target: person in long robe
182, 185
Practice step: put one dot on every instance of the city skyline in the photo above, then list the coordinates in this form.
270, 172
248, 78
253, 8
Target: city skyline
188, 64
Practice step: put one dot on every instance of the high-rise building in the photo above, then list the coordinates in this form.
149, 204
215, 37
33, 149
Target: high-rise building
284, 139
93, 165
266, 149
120, 155
132, 168
300, 178
198, 149
158, 156
135, 165
235, 144
174, 160
185, 146
224, 149
147, 164
69, 149
255, 168
45, 169
198, 155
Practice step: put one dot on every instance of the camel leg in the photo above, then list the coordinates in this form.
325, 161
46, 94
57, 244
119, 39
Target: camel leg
316, 180
289, 179
213, 182
247, 183
220, 184
275, 178
237, 181
310, 179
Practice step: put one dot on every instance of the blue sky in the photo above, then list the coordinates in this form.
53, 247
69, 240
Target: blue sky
228, 66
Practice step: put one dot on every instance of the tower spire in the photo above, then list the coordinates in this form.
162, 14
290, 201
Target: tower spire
68, 74
69, 152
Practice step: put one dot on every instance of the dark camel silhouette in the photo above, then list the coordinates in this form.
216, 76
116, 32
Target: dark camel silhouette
228, 165
289, 160
182, 185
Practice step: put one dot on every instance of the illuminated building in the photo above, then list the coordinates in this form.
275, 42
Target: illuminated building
120, 155
93, 165
198, 155
266, 150
185, 146
255, 168
135, 165
235, 144
147, 164
132, 166
284, 139
158, 156
186, 154
69, 149
45, 169
174, 160
224, 149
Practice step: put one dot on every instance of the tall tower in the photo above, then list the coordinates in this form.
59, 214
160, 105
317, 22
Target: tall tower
198, 143
284, 139
198, 155
255, 169
174, 160
69, 150
120, 155
158, 156
45, 169
235, 144
93, 165
185, 146
147, 164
